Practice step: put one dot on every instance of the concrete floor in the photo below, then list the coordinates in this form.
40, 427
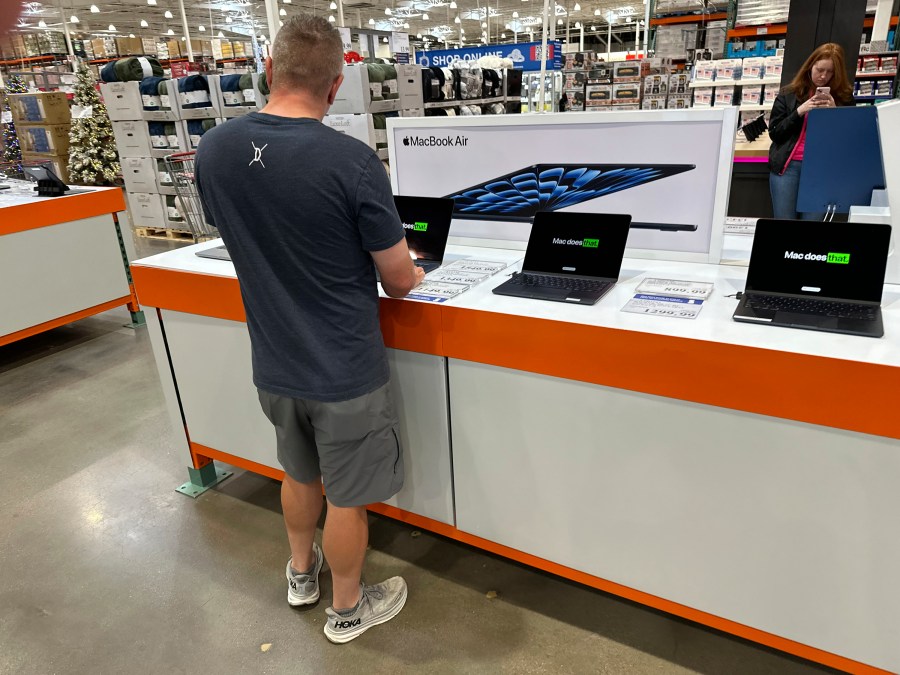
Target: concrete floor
104, 568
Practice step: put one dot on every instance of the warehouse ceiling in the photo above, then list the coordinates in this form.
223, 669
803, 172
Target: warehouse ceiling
504, 20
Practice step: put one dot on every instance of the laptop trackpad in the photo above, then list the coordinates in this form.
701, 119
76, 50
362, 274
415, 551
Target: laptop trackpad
798, 319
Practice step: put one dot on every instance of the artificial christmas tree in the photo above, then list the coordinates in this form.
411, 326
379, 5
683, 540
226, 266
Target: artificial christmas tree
93, 159
12, 154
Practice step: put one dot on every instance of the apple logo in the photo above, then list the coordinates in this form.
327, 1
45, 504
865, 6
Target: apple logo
406, 141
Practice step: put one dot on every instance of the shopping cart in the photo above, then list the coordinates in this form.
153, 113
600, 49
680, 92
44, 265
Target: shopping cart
181, 171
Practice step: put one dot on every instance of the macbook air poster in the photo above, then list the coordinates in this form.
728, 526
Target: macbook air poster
663, 168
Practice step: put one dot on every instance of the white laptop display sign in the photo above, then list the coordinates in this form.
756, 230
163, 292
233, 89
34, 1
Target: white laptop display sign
670, 170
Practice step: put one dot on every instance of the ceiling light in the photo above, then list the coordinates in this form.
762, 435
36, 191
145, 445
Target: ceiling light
170, 32
95, 9
183, 39
384, 40
593, 28
227, 19
331, 18
462, 31
405, 24
515, 15
111, 29
42, 24
577, 25
425, 16
281, 24
559, 22
371, 22
387, 10
456, 20
287, 2
201, 28
151, 2
220, 35
73, 19
483, 24
577, 7
144, 23
452, 4
502, 36
283, 12
596, 12
168, 15
418, 36
333, 5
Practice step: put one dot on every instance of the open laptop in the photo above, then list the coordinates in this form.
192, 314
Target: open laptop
571, 257
818, 276
519, 195
426, 222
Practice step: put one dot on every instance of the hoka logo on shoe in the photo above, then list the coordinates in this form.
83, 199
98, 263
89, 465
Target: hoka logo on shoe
343, 625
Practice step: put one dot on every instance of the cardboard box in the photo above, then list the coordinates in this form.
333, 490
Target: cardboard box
656, 85
409, 87
194, 98
679, 83
770, 93
58, 165
148, 46
575, 99
239, 49
678, 101
124, 101
136, 138
357, 126
653, 103
626, 92
629, 71
146, 209
129, 46
753, 68
174, 49
50, 139
49, 107
626, 106
99, 47
600, 74
578, 60
595, 94
140, 174
162, 51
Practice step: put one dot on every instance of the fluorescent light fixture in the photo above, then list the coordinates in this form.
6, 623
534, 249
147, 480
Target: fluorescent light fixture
483, 24
333, 5
331, 18
151, 2
73, 19
144, 23
457, 20
95, 9
282, 12
168, 15
384, 40
387, 10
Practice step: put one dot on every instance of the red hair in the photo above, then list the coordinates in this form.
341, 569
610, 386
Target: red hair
802, 85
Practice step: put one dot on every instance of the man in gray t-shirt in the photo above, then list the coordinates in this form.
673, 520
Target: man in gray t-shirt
304, 212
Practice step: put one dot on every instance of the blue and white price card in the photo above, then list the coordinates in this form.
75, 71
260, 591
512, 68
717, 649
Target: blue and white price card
675, 287
664, 305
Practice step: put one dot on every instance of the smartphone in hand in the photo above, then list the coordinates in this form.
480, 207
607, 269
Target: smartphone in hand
822, 92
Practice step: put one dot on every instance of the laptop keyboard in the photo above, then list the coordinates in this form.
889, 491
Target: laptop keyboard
840, 310
565, 283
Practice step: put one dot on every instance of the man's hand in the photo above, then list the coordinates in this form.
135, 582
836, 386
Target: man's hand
398, 273
420, 275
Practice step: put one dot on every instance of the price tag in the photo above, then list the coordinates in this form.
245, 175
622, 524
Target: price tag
665, 306
674, 287
6, 117
457, 277
734, 225
762, 30
477, 266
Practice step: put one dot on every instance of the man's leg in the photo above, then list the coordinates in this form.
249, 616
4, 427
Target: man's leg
302, 506
345, 540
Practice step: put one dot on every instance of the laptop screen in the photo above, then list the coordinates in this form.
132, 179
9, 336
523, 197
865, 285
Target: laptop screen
426, 221
828, 260
583, 244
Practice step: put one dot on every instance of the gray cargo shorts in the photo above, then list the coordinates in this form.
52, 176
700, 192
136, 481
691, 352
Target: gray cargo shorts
353, 445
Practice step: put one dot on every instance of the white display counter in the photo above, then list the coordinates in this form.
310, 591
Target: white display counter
741, 476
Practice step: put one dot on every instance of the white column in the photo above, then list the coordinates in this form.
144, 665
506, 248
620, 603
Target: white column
646, 27
541, 93
187, 33
608, 40
272, 18
65, 23
340, 17
882, 20
581, 39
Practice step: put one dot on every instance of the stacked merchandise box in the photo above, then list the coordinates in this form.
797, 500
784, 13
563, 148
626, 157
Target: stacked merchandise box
149, 46
679, 95
129, 46
42, 122
626, 89
574, 82
656, 89
598, 87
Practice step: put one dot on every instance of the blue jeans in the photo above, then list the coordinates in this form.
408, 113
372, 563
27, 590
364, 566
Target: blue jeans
784, 194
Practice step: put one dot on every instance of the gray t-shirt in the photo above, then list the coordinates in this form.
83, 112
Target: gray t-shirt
300, 206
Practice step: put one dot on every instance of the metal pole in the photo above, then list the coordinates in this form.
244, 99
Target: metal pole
541, 86
272, 18
340, 4
567, 24
646, 28
358, 19
62, 15
187, 33
581, 39
608, 40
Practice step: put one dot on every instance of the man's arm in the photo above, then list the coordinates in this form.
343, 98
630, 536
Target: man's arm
398, 273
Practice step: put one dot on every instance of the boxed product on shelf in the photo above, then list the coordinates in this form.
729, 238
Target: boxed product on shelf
139, 174
574, 79
46, 107
888, 64
147, 209
129, 46
679, 83
751, 95
174, 48
653, 103
359, 126
626, 92
728, 69
753, 68
870, 64
773, 66
678, 101
49, 139
578, 60
98, 46
148, 46
865, 88
629, 71
239, 49
626, 106
656, 85
598, 94
883, 87
705, 71
770, 93
58, 164
162, 51
124, 101
195, 129
575, 98
703, 97
138, 138
600, 74
724, 97
194, 100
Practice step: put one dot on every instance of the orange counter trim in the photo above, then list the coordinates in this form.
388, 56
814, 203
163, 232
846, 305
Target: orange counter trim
189, 292
56, 210
695, 615
63, 320
830, 392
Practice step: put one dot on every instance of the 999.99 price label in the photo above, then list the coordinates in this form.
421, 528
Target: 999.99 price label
658, 305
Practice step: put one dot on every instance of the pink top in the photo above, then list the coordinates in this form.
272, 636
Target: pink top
797, 152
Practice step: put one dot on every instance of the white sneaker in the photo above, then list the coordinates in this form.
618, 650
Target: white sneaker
378, 604
303, 589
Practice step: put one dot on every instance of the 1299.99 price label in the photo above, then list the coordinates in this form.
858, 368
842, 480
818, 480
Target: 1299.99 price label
676, 308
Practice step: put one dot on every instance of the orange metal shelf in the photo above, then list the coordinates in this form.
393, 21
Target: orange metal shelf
688, 18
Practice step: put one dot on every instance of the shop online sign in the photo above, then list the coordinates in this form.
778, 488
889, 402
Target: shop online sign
525, 55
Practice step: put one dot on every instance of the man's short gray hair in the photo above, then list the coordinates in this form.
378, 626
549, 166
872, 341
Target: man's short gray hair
308, 54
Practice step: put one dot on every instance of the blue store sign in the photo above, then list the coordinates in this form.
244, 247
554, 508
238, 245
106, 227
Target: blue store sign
525, 55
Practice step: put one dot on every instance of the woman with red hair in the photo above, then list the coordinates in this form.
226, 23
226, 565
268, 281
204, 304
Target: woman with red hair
820, 83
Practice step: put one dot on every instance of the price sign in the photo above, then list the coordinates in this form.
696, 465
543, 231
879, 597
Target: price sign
674, 287
345, 38
666, 306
